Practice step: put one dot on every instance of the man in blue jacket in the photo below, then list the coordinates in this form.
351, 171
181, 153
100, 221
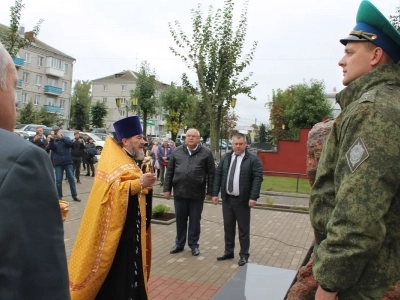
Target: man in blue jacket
62, 161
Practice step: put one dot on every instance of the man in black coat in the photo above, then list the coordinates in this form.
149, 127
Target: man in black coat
239, 176
190, 172
33, 263
40, 139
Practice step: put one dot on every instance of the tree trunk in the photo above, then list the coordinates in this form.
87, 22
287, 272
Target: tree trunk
144, 122
216, 133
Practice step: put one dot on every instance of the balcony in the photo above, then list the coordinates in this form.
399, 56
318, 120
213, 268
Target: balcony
52, 90
18, 62
52, 108
19, 83
54, 72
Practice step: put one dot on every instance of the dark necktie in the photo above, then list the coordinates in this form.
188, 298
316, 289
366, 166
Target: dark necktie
231, 175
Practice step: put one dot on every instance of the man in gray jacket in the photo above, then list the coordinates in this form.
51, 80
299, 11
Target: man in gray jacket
239, 176
33, 263
190, 172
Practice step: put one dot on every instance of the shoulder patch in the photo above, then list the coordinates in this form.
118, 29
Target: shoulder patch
357, 154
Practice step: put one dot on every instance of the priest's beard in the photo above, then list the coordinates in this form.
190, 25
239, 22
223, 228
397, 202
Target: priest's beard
138, 154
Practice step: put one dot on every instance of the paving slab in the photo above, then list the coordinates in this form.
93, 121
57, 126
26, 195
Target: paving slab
278, 239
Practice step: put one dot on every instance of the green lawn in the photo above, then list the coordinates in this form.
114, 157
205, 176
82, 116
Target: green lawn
285, 184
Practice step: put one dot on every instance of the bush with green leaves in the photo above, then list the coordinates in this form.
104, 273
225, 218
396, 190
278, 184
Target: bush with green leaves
160, 209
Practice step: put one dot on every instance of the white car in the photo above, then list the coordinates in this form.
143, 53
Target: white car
97, 141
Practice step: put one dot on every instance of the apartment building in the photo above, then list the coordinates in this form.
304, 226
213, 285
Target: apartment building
45, 76
119, 86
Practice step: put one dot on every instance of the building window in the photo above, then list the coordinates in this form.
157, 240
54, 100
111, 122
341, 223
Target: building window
104, 100
65, 68
24, 98
123, 87
37, 99
38, 80
27, 57
40, 61
62, 104
25, 77
64, 86
57, 63
104, 88
50, 101
18, 95
52, 81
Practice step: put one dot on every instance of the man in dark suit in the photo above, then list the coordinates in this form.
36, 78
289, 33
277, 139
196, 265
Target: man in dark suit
190, 173
33, 263
238, 177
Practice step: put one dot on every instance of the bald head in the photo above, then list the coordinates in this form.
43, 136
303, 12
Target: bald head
8, 81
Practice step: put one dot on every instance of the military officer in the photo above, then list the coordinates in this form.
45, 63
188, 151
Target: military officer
355, 200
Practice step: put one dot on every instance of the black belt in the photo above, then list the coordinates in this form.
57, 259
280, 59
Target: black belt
232, 196
319, 237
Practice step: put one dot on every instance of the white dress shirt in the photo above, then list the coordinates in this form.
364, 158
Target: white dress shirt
236, 177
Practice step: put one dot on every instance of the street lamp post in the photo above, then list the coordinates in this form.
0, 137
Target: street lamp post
134, 102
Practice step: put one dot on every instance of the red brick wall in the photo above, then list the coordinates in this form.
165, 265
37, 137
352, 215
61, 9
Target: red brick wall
290, 156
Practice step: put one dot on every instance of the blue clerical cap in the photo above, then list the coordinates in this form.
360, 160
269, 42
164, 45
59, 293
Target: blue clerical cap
372, 26
128, 127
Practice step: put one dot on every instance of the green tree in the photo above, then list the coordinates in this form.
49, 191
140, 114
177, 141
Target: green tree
11, 40
263, 133
395, 20
80, 108
98, 112
48, 118
27, 114
179, 104
228, 124
145, 91
299, 106
215, 53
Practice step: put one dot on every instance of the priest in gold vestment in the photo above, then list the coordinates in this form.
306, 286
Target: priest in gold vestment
112, 253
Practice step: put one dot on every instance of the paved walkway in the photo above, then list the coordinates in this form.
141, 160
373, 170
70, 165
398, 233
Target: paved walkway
278, 239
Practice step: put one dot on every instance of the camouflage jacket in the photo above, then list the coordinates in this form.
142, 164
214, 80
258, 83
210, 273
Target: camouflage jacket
355, 199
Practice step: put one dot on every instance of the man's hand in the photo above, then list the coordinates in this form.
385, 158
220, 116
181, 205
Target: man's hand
252, 203
167, 195
322, 295
215, 200
208, 197
36, 138
148, 179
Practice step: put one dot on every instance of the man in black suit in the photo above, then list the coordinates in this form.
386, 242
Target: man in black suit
33, 263
239, 176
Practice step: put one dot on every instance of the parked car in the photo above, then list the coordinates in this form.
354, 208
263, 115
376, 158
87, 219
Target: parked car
28, 127
24, 135
99, 130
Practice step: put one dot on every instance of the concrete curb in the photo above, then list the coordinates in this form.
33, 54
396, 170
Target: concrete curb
285, 194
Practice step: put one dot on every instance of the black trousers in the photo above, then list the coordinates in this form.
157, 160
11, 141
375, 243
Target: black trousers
234, 211
77, 166
188, 209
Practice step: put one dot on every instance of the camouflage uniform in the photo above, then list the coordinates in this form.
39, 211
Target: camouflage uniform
355, 200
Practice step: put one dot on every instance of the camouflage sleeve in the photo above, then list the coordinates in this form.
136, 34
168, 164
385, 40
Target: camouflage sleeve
366, 179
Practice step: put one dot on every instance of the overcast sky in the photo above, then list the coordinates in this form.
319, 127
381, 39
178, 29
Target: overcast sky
297, 40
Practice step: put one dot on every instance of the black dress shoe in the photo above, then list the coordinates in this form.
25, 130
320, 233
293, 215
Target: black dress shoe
176, 249
195, 251
225, 257
87, 174
242, 261
77, 199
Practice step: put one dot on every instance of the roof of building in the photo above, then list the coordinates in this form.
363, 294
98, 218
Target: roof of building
39, 44
125, 76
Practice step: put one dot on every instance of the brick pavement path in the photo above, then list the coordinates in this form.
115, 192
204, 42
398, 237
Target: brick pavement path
278, 239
